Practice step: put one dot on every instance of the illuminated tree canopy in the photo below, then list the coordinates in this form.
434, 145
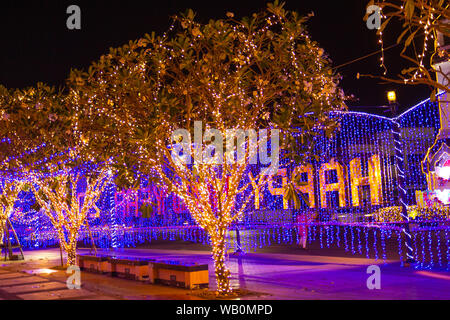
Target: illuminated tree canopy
44, 152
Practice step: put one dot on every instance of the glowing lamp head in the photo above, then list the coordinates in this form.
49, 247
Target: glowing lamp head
444, 170
392, 96
443, 196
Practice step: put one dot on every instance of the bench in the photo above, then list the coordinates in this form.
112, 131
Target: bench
179, 274
167, 272
96, 264
130, 267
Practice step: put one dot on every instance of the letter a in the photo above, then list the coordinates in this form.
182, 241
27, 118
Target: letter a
374, 20
374, 281
74, 280
74, 20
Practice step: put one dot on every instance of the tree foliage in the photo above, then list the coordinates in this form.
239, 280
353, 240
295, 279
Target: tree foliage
422, 21
262, 71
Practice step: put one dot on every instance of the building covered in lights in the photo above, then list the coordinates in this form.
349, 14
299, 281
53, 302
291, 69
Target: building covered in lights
356, 173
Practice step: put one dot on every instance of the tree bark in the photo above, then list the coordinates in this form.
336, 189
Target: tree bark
222, 272
71, 249
1, 232
72, 253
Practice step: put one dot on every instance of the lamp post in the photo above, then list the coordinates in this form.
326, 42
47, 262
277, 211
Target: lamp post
399, 164
392, 98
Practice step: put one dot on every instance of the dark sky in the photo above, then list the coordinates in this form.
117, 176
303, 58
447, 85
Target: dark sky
37, 46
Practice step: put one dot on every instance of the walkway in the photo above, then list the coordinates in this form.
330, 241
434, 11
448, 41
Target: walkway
274, 276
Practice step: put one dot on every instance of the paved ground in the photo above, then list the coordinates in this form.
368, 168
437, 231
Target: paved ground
22, 286
35, 279
274, 276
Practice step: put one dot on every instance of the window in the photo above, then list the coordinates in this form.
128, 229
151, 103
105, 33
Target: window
331, 176
303, 203
364, 167
304, 177
332, 199
364, 195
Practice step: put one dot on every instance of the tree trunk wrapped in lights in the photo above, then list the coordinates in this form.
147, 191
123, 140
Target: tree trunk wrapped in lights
219, 252
59, 200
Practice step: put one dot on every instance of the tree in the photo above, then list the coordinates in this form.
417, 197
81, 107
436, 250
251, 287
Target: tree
68, 212
262, 71
10, 186
55, 159
421, 20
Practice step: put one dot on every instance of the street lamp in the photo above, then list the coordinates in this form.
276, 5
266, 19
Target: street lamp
392, 96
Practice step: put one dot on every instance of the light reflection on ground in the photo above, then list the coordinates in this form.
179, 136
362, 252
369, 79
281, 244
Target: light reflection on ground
433, 275
40, 271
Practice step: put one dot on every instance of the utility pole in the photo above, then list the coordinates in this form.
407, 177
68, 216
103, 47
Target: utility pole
399, 164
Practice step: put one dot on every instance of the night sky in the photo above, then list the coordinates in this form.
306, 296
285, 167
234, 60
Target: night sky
36, 45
